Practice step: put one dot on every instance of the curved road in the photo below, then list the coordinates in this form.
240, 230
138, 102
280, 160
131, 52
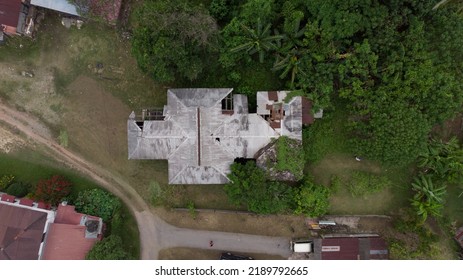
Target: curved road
155, 234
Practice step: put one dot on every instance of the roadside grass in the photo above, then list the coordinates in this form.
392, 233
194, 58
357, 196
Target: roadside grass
30, 167
180, 253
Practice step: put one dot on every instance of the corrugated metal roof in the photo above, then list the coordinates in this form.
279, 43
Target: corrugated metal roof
351, 248
62, 6
9, 12
197, 138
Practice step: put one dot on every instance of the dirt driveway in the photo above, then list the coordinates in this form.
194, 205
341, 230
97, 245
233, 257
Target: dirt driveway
155, 234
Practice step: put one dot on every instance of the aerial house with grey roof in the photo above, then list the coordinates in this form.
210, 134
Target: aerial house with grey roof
201, 131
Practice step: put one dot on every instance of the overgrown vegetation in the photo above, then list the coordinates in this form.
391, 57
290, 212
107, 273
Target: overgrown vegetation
364, 183
251, 187
290, 156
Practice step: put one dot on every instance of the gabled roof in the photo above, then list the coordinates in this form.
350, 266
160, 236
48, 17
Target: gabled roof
21, 232
197, 138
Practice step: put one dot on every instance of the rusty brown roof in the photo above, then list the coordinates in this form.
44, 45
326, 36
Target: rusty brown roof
67, 242
21, 232
9, 12
307, 115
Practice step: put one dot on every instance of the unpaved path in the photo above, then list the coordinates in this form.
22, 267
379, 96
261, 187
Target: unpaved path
155, 234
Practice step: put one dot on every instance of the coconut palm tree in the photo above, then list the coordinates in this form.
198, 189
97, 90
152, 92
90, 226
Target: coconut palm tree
258, 40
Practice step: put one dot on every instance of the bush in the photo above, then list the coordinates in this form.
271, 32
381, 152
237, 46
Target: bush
52, 190
363, 183
97, 202
18, 189
290, 156
5, 181
312, 200
109, 248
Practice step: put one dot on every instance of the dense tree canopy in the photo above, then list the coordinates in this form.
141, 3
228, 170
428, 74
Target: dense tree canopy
110, 248
173, 39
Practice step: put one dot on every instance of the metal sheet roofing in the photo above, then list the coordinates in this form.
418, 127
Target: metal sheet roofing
200, 139
9, 12
62, 6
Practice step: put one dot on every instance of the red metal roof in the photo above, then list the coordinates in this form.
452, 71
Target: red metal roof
353, 248
26, 202
7, 198
67, 242
340, 249
307, 115
9, 12
21, 232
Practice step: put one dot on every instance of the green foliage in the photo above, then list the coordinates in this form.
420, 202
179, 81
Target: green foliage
428, 199
393, 134
18, 189
5, 181
52, 190
63, 138
258, 40
290, 156
249, 187
444, 160
110, 248
325, 136
335, 184
97, 202
157, 193
218, 9
364, 183
312, 199
192, 209
173, 39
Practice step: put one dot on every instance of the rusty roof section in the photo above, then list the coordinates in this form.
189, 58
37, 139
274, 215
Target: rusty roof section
21, 232
68, 237
67, 242
351, 248
9, 12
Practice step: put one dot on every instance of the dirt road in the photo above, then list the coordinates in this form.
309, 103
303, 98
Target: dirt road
155, 234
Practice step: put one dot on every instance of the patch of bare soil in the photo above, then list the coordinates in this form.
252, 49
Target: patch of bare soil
450, 128
271, 225
34, 94
10, 142
201, 254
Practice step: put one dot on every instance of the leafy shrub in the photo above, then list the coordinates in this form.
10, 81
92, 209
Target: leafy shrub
5, 181
109, 248
312, 200
52, 190
364, 183
18, 189
335, 184
97, 202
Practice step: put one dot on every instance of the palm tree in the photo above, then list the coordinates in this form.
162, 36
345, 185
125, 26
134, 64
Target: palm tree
291, 52
258, 40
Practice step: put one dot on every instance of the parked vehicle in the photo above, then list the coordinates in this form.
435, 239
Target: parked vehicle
301, 246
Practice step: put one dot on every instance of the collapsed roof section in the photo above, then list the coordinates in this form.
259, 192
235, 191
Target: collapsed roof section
201, 132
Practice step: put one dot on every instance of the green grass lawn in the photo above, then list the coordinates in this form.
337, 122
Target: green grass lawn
31, 167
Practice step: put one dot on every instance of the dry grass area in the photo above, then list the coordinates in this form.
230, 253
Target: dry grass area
271, 225
201, 254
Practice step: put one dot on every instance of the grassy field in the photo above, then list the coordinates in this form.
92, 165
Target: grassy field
30, 167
